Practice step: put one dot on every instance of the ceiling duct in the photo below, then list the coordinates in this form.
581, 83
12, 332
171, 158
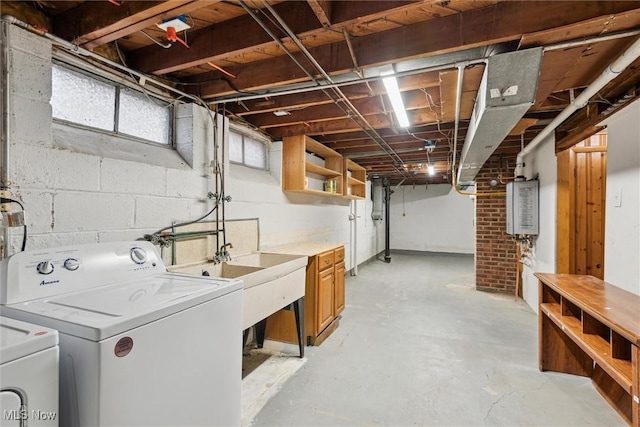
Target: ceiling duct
507, 91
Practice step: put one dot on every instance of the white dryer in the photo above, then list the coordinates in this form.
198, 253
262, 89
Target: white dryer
28, 374
138, 345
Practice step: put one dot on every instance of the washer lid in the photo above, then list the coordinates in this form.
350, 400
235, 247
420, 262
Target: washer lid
99, 313
19, 339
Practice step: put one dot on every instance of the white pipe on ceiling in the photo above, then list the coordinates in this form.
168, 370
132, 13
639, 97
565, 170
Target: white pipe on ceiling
612, 71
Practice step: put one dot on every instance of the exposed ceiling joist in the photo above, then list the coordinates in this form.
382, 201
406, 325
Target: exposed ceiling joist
503, 22
95, 23
322, 10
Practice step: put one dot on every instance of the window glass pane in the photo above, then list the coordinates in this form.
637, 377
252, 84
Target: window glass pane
139, 116
80, 99
235, 147
255, 153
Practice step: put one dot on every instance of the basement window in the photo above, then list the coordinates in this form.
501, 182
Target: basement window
83, 100
247, 150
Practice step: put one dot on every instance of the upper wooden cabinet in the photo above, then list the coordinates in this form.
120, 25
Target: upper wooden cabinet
353, 182
308, 165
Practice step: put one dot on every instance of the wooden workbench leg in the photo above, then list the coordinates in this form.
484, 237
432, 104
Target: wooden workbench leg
261, 326
635, 404
298, 309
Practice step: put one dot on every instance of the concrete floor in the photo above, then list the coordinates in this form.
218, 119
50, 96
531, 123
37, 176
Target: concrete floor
417, 345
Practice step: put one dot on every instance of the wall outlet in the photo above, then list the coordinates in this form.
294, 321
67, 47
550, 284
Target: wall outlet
617, 198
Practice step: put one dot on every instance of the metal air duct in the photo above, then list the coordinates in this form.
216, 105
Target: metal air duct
507, 90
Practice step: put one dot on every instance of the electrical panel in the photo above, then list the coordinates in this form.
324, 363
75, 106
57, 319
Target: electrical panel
522, 207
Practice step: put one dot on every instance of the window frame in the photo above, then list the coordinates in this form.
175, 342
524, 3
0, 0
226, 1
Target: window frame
118, 87
249, 133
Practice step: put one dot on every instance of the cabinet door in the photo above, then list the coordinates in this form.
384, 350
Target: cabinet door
324, 313
339, 288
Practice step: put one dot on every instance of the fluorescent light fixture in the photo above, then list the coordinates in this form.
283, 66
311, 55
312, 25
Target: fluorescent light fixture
432, 170
391, 85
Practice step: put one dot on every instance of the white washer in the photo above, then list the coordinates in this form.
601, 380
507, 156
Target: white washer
138, 345
28, 374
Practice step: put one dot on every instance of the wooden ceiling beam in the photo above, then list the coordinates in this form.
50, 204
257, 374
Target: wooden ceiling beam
363, 10
505, 21
413, 100
377, 121
94, 23
293, 101
319, 113
322, 9
235, 35
426, 132
244, 35
426, 81
372, 148
590, 125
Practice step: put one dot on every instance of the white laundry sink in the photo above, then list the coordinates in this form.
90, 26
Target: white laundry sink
270, 281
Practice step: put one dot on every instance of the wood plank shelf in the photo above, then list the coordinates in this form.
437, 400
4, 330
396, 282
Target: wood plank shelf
303, 174
591, 328
319, 170
354, 180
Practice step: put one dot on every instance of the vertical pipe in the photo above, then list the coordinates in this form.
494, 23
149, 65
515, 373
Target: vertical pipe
216, 172
222, 189
387, 211
4, 143
354, 268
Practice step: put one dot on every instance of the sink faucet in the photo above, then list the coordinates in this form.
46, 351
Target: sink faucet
223, 254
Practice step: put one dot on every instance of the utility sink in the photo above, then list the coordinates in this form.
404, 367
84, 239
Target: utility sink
271, 281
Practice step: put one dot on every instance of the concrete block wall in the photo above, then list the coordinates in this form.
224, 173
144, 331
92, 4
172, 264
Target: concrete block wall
79, 186
495, 257
289, 218
81, 196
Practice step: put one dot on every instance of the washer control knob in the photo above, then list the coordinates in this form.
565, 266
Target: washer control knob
138, 255
71, 264
45, 267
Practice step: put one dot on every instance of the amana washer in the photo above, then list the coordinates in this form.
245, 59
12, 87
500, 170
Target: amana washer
138, 346
28, 374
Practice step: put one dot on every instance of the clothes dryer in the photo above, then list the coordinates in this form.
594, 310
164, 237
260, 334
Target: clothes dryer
29, 357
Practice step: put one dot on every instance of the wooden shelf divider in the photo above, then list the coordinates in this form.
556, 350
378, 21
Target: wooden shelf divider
591, 328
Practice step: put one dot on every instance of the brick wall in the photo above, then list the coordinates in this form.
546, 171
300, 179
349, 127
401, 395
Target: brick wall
495, 257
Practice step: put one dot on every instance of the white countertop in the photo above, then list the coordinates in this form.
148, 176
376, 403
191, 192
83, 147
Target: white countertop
304, 248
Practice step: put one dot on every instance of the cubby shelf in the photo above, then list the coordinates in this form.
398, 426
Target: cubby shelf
300, 175
588, 327
354, 180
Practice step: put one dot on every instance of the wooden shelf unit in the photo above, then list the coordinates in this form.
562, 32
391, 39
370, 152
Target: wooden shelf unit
296, 169
354, 179
590, 328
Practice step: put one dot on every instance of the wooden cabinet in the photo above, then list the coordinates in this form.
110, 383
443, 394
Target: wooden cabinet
590, 328
307, 165
325, 311
323, 302
353, 181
